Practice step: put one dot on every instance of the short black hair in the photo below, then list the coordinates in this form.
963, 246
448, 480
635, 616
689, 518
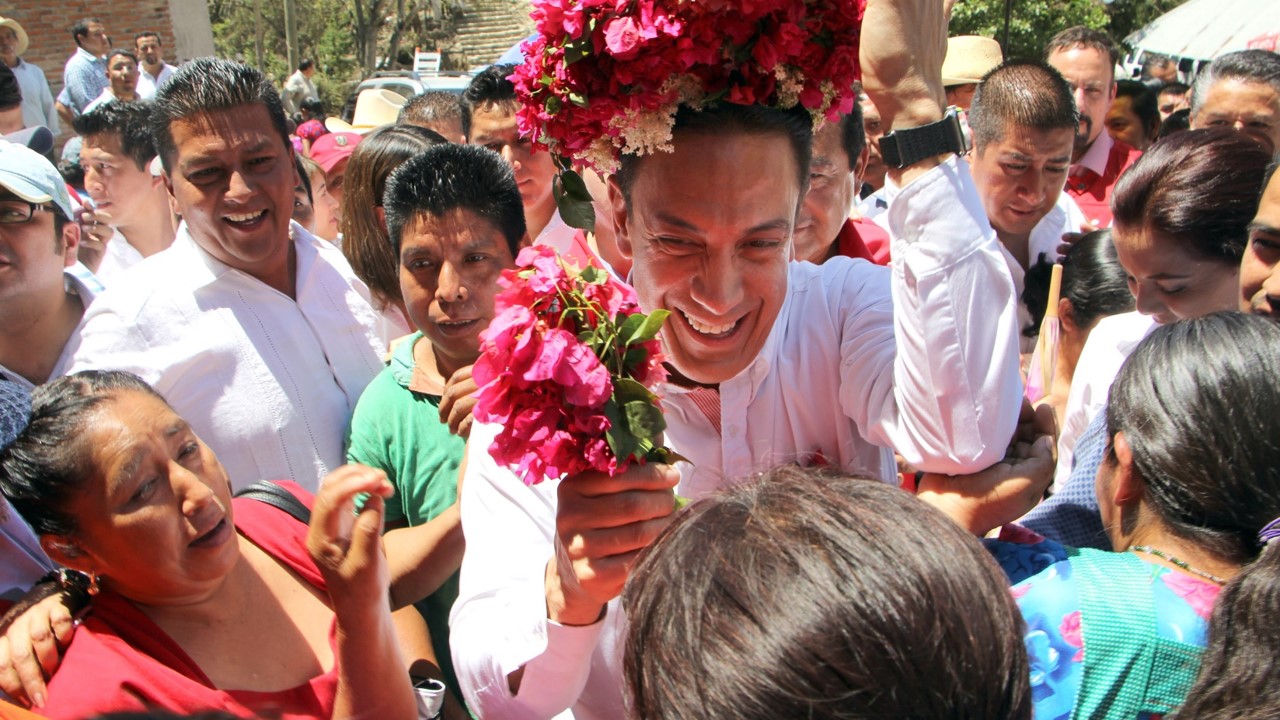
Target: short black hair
1142, 102
431, 106
853, 136
1173, 88
122, 51
81, 28
147, 34
490, 86
313, 105
448, 177
1022, 93
795, 123
207, 85
306, 64
1083, 37
130, 120
1256, 66
10, 90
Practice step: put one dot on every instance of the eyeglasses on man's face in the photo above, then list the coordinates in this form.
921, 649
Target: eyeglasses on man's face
18, 212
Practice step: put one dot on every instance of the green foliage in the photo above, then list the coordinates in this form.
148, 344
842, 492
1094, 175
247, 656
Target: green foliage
1032, 22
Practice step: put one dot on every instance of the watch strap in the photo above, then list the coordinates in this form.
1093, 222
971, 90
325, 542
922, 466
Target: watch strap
906, 147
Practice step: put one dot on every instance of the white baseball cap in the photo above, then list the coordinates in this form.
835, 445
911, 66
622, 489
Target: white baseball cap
31, 177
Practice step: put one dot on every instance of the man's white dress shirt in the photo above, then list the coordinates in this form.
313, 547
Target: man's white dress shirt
922, 358
37, 98
148, 84
267, 381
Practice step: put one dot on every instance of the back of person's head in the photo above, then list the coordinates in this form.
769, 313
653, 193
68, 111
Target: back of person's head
1177, 121
206, 85
853, 136
313, 106
1083, 37
1254, 66
809, 594
450, 177
1199, 188
130, 121
1025, 94
306, 64
1197, 402
364, 236
1093, 281
433, 106
1142, 102
10, 91
489, 87
43, 469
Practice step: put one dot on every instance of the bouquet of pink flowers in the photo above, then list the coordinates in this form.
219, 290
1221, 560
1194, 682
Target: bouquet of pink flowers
566, 367
645, 58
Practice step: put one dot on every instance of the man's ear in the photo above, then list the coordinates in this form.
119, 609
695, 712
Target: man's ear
1127, 488
70, 243
1066, 315
860, 167
621, 221
65, 551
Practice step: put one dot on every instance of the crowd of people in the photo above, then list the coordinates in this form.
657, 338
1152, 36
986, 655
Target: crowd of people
972, 365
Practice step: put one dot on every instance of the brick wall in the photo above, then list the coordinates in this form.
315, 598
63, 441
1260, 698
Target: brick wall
49, 27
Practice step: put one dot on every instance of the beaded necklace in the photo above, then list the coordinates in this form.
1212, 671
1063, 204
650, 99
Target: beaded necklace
1181, 564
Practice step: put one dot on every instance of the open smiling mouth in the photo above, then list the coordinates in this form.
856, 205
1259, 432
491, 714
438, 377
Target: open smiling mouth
245, 220
711, 331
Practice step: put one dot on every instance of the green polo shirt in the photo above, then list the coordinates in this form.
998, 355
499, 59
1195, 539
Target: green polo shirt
398, 431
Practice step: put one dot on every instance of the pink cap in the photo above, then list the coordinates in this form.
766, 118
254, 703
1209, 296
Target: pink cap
331, 149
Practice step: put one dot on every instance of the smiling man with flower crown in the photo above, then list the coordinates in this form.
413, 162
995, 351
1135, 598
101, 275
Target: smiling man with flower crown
703, 113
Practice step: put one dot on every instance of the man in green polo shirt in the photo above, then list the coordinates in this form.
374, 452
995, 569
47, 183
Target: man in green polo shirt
456, 221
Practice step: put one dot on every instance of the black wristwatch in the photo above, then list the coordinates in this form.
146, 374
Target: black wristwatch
903, 148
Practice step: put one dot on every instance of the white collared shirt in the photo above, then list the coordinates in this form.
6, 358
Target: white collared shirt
860, 359
1064, 217
1110, 343
148, 84
37, 98
267, 381
118, 257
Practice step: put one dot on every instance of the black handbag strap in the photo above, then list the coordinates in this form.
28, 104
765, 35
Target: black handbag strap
277, 497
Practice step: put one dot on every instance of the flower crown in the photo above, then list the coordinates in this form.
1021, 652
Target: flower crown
606, 77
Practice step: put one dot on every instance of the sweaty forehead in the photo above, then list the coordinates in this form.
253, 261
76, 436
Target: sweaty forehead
243, 128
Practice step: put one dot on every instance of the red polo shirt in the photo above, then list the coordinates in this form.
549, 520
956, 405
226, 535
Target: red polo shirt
864, 239
1091, 191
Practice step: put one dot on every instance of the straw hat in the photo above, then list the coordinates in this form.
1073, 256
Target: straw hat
17, 30
375, 107
969, 58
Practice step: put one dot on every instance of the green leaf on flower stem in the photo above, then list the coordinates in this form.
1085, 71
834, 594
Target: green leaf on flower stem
630, 326
649, 328
634, 357
593, 275
575, 212
574, 186
645, 420
579, 99
626, 390
553, 105
621, 441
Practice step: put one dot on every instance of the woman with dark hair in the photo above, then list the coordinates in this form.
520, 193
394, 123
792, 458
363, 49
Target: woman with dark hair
1093, 287
201, 602
311, 125
826, 596
365, 241
1190, 479
1181, 219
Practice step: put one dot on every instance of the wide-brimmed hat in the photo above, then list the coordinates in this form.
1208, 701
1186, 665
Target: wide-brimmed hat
375, 107
969, 59
17, 30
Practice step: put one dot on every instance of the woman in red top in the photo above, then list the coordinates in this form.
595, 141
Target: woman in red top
204, 603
